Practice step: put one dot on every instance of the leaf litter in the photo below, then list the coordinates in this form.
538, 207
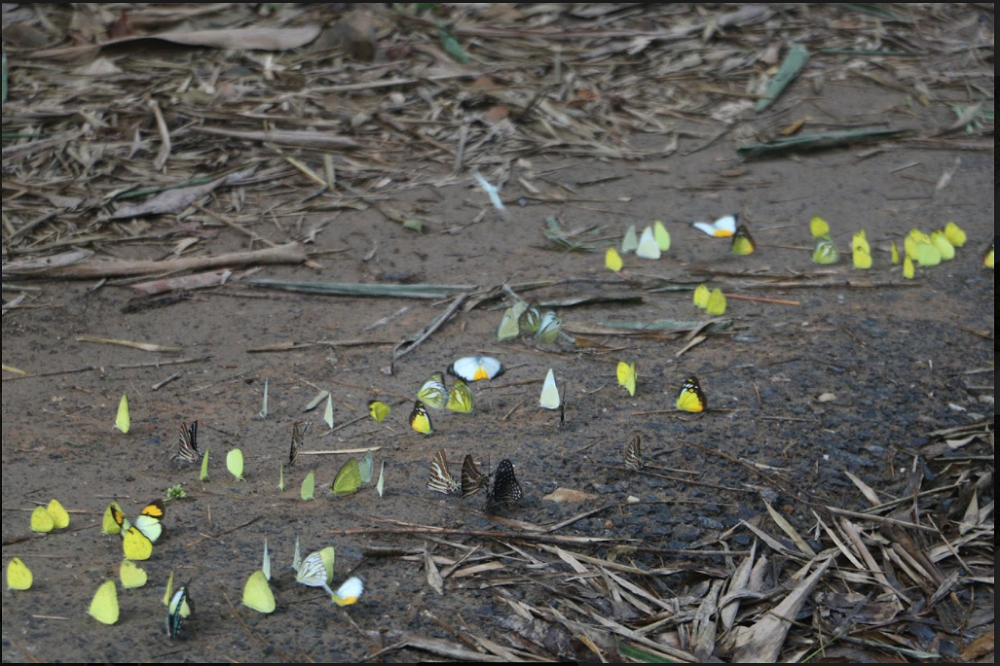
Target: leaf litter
462, 91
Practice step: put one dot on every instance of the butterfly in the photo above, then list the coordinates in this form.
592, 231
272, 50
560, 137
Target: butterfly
378, 410
691, 399
724, 227
234, 463
626, 376
187, 444
299, 429
742, 241
460, 397
104, 606
365, 466
956, 236
826, 252
701, 294
131, 575
550, 392
633, 453
420, 420
944, 246
308, 488
472, 479
819, 228
433, 392
313, 572
861, 251
348, 479
349, 592
988, 256
506, 489
474, 368
661, 235
380, 484
509, 327
530, 319
716, 305
41, 520
441, 479
648, 247
549, 328
147, 522
630, 240
613, 260
18, 575
179, 608
908, 270
257, 594
123, 422
265, 564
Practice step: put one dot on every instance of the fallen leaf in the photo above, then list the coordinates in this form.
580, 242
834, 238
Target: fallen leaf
566, 495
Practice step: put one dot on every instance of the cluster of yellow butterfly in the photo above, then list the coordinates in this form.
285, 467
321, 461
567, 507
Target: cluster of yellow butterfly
654, 241
713, 302
434, 394
47, 518
316, 570
137, 537
353, 474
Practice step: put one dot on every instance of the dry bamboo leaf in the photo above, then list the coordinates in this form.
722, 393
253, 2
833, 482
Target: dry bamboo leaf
792, 533
478, 569
303, 139
261, 39
571, 560
170, 201
186, 283
42, 264
978, 648
704, 629
970, 520
764, 642
737, 584
144, 346
433, 575
568, 496
772, 543
865, 489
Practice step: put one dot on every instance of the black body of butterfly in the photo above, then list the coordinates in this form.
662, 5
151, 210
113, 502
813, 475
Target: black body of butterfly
299, 429
505, 490
175, 617
633, 454
472, 479
187, 444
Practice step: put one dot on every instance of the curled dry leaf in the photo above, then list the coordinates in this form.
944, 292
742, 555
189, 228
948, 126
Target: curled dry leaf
567, 496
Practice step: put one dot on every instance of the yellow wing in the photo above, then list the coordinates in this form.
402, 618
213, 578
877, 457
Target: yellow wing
420, 420
460, 397
378, 410
123, 422
18, 575
104, 607
136, 545
257, 594
691, 399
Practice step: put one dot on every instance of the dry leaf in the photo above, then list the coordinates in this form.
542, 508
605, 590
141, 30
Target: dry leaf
566, 496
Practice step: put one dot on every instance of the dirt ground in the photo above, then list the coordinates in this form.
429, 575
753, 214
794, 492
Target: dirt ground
851, 375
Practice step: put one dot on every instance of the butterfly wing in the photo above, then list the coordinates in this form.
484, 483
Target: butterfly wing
460, 397
441, 479
104, 606
626, 376
378, 410
433, 392
313, 572
298, 437
257, 594
530, 319
472, 479
691, 399
613, 260
365, 466
474, 368
136, 545
549, 329
648, 248
550, 392
633, 453
506, 489
180, 607
509, 326
123, 421
349, 592
348, 479
420, 420
19, 576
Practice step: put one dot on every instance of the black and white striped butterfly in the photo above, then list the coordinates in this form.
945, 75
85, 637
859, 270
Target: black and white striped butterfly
187, 444
299, 429
441, 479
472, 479
633, 454
506, 489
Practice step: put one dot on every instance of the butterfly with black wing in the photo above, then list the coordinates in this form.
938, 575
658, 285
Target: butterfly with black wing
472, 479
179, 608
299, 429
633, 454
187, 444
506, 490
441, 479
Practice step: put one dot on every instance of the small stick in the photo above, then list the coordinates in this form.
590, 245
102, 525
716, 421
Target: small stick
340, 451
761, 299
406, 346
176, 375
161, 125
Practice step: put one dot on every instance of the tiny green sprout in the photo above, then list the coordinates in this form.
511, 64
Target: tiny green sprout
176, 493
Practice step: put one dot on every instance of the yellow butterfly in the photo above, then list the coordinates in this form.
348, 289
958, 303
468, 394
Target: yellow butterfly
742, 241
308, 488
378, 410
136, 545
701, 294
131, 575
529, 321
940, 240
908, 271
613, 260
257, 594
861, 251
661, 235
349, 592
550, 392
475, 368
691, 399
123, 422
648, 247
548, 330
41, 520
420, 420
460, 397
234, 463
819, 228
626, 376
724, 227
18, 575
433, 392
509, 327
988, 257
348, 479
104, 607
955, 234
716, 305
147, 522
894, 250
630, 240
